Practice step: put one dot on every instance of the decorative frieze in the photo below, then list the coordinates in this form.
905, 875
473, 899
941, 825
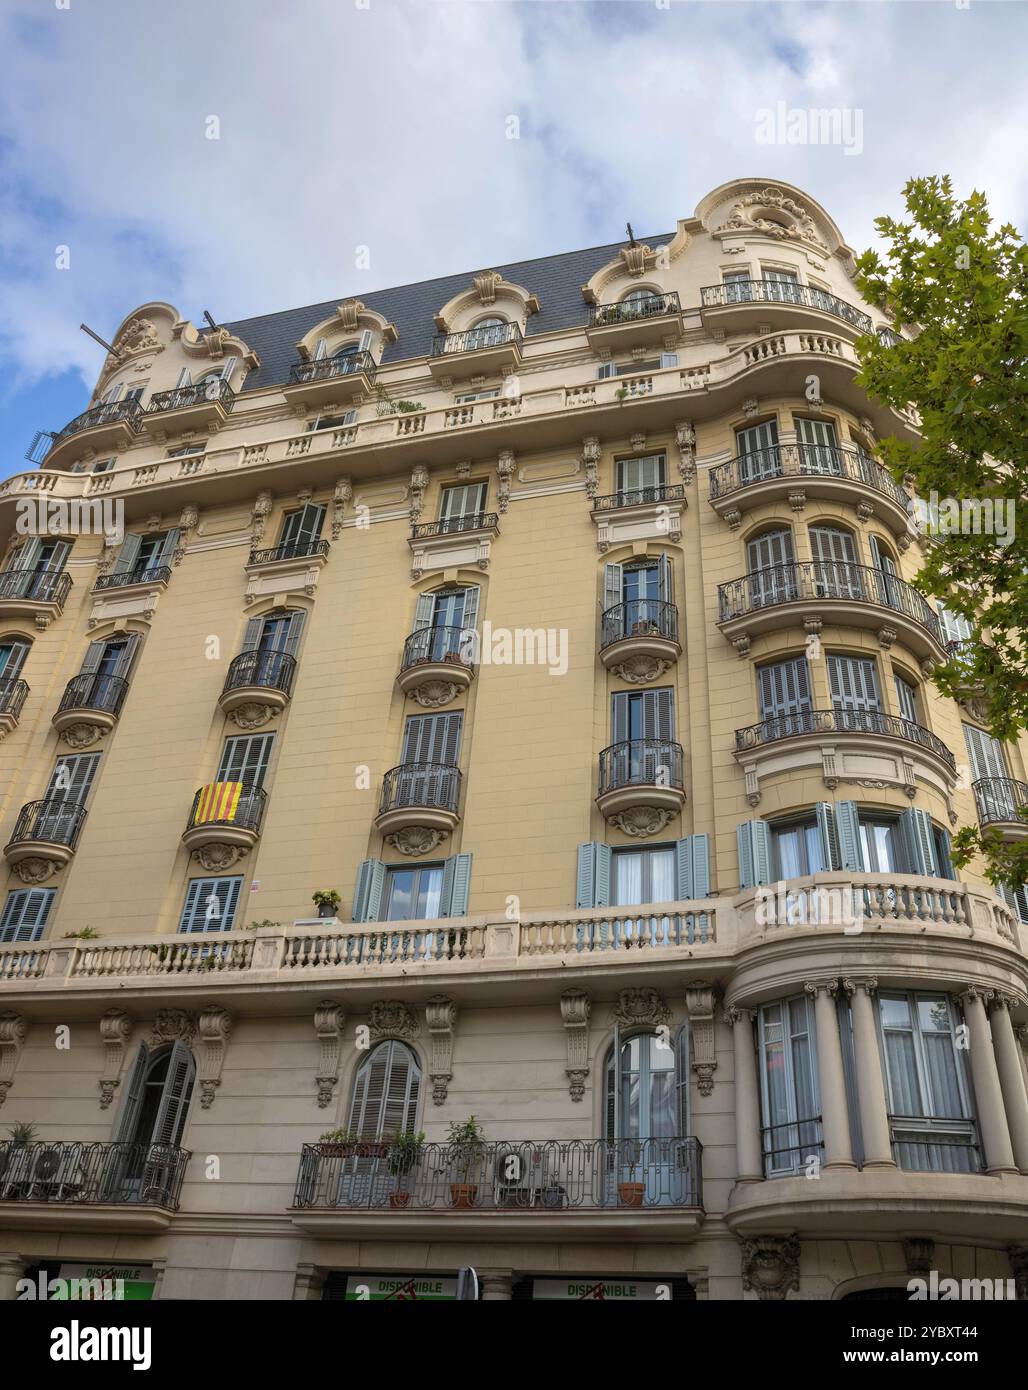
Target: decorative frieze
575, 1008
392, 1018
771, 1267
639, 1007
172, 1025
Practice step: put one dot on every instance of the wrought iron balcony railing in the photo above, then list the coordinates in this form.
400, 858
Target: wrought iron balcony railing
145, 574
927, 1144
53, 822
639, 617
789, 1147
215, 808
472, 339
639, 496
266, 670
824, 579
804, 460
94, 691
35, 586
129, 412
421, 785
328, 368
92, 1173
783, 292
433, 644
289, 550
641, 762
840, 721
453, 525
12, 697
630, 311
1000, 799
529, 1174
213, 388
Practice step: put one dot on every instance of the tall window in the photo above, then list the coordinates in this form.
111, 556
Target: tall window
246, 759
35, 568
444, 619
301, 529
413, 894
738, 286
157, 1096
836, 574
771, 576
819, 447
789, 1092
641, 475
463, 505
13, 651
798, 848
853, 682
643, 876
929, 1099
784, 689
906, 698
273, 642
995, 794
487, 333
386, 1091
757, 451
782, 286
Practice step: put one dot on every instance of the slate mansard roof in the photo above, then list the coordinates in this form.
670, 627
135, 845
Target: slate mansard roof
556, 280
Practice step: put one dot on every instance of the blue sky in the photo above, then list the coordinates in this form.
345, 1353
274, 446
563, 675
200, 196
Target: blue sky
384, 124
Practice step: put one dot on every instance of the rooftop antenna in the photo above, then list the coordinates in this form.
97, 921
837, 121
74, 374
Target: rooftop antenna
631, 234
210, 322
97, 339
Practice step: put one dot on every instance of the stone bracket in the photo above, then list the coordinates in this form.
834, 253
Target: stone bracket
575, 1008
115, 1028
215, 1025
12, 1035
699, 1004
329, 1018
440, 1020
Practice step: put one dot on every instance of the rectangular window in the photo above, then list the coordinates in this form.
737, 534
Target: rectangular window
955, 628
757, 451
738, 288
818, 446
641, 475
929, 1099
413, 894
72, 778
302, 527
853, 683
648, 715
797, 848
467, 397
644, 876
25, 914
461, 503
785, 697
331, 422
906, 698
880, 846
791, 1133
210, 905
186, 450
103, 465
781, 286
246, 759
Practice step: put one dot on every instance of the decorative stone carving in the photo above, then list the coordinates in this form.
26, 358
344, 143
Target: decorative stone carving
800, 226
750, 407
214, 1027
349, 313
742, 645
637, 441
867, 429
637, 670
886, 637
440, 1020
638, 1007
865, 511
216, 858
575, 1008
328, 1025
919, 1254
340, 497
413, 840
485, 283
187, 523
463, 470
641, 821
771, 1266
434, 694
590, 462
12, 1035
734, 518
252, 714
903, 542
392, 1018
638, 259
699, 1004
813, 626
505, 468
797, 500
138, 335
928, 669
172, 1025
36, 869
685, 441
115, 1027
418, 484
83, 734
259, 517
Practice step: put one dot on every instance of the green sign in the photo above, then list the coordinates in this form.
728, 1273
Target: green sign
605, 1290
376, 1288
101, 1281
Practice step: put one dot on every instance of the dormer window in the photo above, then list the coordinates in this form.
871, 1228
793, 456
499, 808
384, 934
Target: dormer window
487, 333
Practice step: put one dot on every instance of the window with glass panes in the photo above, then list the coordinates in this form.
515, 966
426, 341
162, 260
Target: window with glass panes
791, 1131
640, 474
463, 502
412, 894
643, 876
797, 848
906, 699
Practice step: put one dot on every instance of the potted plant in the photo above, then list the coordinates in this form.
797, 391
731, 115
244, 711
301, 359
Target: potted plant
465, 1147
327, 902
22, 1134
631, 1193
404, 1156
337, 1143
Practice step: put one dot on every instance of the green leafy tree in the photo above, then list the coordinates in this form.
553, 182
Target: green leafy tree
961, 285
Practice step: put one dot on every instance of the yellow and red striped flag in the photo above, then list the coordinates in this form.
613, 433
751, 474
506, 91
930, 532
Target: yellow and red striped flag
218, 801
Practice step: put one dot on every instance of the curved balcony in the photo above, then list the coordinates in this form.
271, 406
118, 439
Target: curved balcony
263, 680
797, 471
639, 639
12, 697
642, 784
437, 664
847, 745
1001, 802
635, 322
419, 805
36, 594
330, 380
204, 405
744, 304
45, 837
92, 701
832, 592
107, 427
224, 822
484, 351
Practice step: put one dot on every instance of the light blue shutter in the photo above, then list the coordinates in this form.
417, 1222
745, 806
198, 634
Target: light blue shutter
919, 842
294, 632
91, 661
593, 877
826, 827
453, 899
194, 911
25, 914
27, 554
612, 589
847, 826
133, 1094
692, 867
127, 655
367, 898
167, 551
944, 855
128, 554
252, 636
754, 840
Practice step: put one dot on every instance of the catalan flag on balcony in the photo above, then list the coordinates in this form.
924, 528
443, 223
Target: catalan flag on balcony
218, 802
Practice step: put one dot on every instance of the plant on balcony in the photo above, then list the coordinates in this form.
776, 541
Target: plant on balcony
347, 1143
645, 629
621, 394
387, 406
83, 934
327, 902
631, 1193
465, 1145
405, 1152
256, 926
22, 1134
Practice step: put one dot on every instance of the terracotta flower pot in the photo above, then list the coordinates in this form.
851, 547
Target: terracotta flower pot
631, 1194
399, 1199
463, 1194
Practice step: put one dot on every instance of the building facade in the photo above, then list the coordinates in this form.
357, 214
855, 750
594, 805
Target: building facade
558, 619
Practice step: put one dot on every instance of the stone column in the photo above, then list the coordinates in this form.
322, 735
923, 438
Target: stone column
12, 1268
747, 1096
992, 1121
495, 1283
1011, 1080
831, 1080
874, 1108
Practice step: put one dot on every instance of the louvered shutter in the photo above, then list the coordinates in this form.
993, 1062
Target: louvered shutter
469, 619
178, 1086
784, 688
847, 827
127, 655
293, 632
133, 1096
944, 854
252, 635
246, 759
72, 778
985, 753
692, 867
825, 814
665, 579
620, 712
771, 549
15, 659
613, 580
918, 842
659, 714
128, 555
228, 368
92, 659
853, 683
26, 555
424, 612
113, 394
367, 897
682, 1075
593, 875
456, 886
200, 891
432, 738
167, 551
386, 1092
25, 914
754, 843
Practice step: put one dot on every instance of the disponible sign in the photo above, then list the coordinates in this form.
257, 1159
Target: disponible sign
376, 1288
102, 1282
607, 1289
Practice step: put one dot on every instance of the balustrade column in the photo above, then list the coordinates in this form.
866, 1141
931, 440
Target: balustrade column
992, 1120
874, 1109
747, 1096
831, 1079
1011, 1079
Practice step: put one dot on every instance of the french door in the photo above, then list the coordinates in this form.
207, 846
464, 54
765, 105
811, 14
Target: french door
853, 683
782, 287
645, 1107
989, 766
68, 791
785, 699
246, 760
836, 572
819, 447
772, 571
757, 450
887, 575
383, 1103
444, 619
791, 1135
431, 748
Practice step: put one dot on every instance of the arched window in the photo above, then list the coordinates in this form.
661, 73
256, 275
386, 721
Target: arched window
640, 303
646, 1119
837, 573
13, 651
770, 561
386, 1092
157, 1096
487, 332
